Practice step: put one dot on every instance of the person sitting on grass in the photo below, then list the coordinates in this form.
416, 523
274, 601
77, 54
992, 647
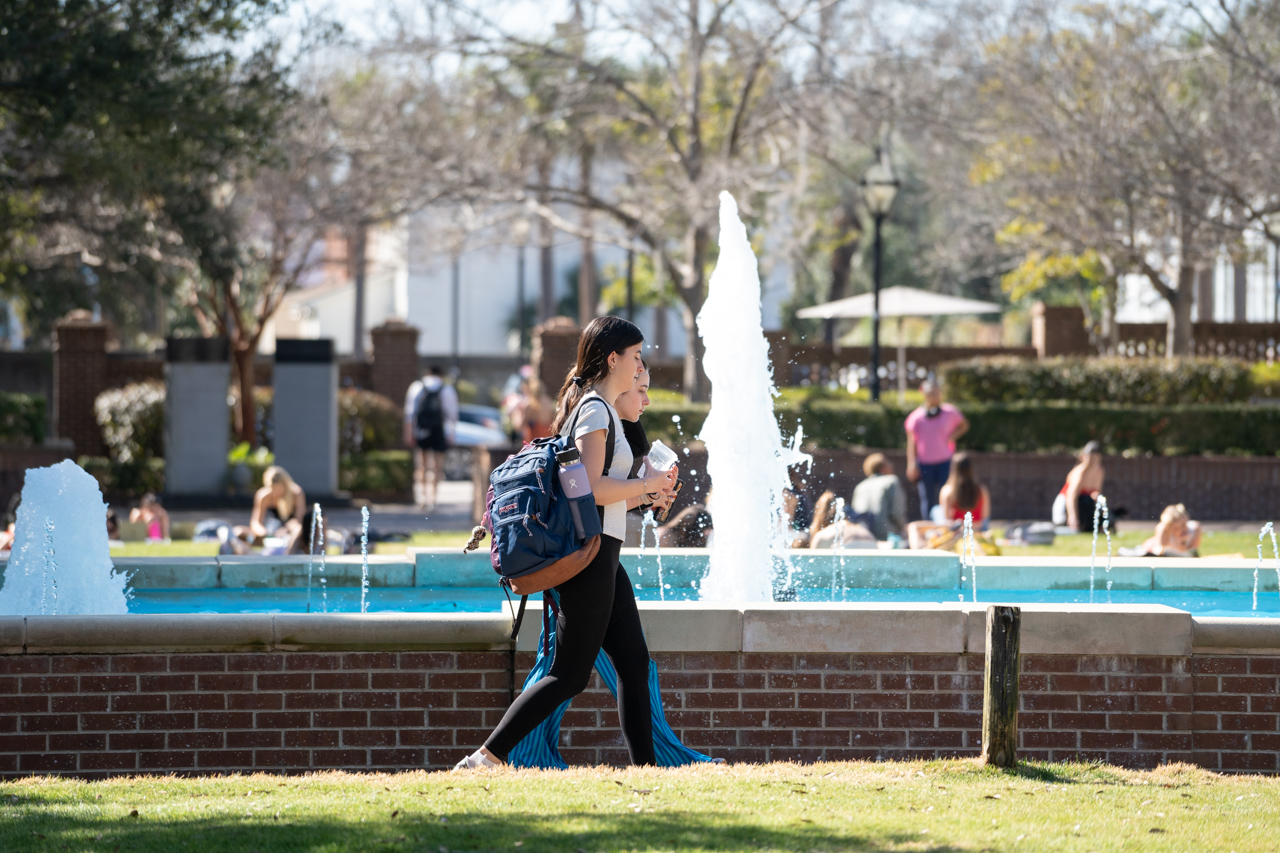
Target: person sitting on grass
150, 513
278, 509
691, 528
1074, 505
826, 530
881, 496
1176, 536
962, 493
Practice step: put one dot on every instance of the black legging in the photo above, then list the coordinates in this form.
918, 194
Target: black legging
597, 611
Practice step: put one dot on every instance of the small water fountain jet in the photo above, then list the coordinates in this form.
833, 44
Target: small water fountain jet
1100, 511
1267, 528
969, 555
62, 517
364, 559
838, 547
317, 524
746, 459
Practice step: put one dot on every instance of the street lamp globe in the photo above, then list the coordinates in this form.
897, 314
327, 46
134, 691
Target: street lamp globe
880, 186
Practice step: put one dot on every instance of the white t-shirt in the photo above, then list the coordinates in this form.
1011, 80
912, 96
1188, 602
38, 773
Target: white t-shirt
594, 414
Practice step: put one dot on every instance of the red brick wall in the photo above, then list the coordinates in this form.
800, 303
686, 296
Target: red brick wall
93, 715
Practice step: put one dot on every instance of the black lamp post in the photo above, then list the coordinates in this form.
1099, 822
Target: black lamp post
880, 187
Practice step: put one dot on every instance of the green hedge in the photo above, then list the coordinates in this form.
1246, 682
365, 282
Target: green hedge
125, 480
383, 472
21, 418
1131, 381
829, 422
132, 422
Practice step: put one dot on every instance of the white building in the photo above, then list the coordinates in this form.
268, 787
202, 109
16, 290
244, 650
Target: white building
410, 274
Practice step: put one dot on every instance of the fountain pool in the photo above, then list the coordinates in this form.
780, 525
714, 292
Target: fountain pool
444, 581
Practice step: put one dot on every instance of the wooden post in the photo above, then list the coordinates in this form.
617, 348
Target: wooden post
1000, 687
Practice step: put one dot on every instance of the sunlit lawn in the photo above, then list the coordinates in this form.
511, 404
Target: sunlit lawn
939, 805
1134, 534
1131, 535
187, 548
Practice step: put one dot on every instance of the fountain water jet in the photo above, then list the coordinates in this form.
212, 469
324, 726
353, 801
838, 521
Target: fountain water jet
62, 512
746, 459
1100, 510
364, 559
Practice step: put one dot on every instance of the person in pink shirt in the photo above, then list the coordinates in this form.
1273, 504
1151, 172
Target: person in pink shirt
932, 431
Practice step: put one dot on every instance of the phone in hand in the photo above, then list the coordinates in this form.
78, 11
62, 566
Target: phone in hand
661, 515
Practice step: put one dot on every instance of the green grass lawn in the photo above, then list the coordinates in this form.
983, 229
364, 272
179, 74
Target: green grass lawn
1133, 534
938, 805
1064, 546
175, 548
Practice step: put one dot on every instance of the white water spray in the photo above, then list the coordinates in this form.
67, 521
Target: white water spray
1100, 511
746, 459
316, 525
969, 554
1267, 528
50, 567
838, 548
62, 513
364, 559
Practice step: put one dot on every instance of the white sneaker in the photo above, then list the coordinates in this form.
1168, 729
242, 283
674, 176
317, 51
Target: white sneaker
476, 761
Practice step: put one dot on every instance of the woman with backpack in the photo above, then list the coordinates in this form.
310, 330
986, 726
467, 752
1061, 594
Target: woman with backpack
596, 609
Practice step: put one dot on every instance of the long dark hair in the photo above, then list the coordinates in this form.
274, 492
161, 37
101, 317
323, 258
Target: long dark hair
602, 337
962, 482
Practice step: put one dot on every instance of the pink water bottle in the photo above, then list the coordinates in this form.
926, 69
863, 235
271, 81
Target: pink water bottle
573, 479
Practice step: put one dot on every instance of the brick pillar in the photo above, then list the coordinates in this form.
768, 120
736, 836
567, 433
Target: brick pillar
1058, 330
555, 350
79, 375
395, 359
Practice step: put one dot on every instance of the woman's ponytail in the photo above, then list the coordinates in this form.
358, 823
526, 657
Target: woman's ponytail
601, 337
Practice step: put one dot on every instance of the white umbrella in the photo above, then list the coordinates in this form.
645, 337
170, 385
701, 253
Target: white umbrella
899, 302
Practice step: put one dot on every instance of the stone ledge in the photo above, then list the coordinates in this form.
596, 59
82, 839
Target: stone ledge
1224, 633
13, 634
1092, 629
863, 628
669, 626
401, 631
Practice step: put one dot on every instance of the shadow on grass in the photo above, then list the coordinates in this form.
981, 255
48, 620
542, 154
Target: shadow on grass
571, 832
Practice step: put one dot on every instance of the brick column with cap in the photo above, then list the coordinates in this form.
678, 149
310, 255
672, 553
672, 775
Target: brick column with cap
395, 359
555, 351
79, 376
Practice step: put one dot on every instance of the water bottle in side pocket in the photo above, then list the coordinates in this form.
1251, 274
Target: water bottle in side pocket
573, 479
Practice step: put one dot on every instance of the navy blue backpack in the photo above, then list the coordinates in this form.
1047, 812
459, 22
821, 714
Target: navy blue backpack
535, 545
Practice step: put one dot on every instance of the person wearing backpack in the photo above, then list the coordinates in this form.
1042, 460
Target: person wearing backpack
430, 418
596, 608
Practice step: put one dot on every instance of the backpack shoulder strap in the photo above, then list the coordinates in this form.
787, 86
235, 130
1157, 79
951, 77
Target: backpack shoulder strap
610, 436
608, 444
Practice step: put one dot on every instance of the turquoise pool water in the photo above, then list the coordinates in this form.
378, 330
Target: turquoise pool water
481, 600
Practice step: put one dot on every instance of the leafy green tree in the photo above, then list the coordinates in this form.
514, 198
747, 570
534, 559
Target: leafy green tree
109, 110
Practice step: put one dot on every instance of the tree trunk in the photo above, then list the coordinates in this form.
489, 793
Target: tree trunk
546, 251
693, 291
1179, 341
359, 248
587, 269
1110, 325
841, 265
242, 357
